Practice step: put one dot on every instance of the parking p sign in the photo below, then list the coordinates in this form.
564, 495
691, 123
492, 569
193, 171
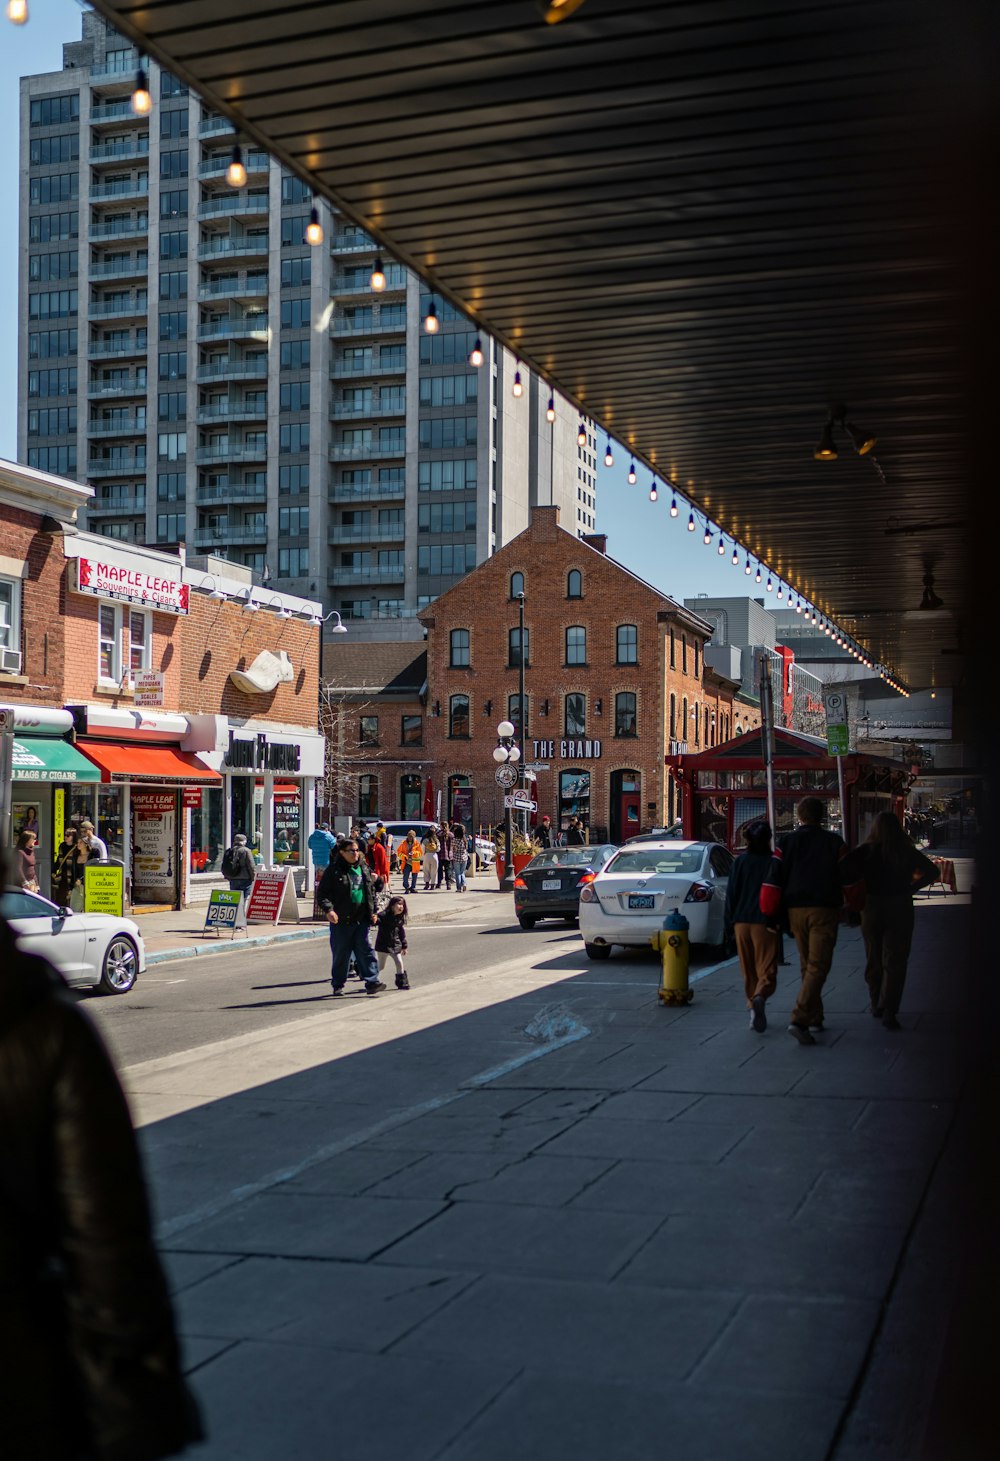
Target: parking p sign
837, 730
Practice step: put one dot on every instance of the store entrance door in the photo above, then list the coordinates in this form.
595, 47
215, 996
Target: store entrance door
626, 804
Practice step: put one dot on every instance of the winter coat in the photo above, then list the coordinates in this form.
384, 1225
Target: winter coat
866, 865
379, 860
543, 834
743, 891
391, 935
409, 854
243, 865
84, 1305
805, 871
334, 892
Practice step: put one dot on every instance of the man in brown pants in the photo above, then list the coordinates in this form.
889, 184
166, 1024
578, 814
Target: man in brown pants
806, 870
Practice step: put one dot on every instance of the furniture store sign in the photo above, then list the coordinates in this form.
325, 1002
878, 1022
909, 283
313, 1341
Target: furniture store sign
570, 750
131, 586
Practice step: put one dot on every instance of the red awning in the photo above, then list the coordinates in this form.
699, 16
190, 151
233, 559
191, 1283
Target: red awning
147, 763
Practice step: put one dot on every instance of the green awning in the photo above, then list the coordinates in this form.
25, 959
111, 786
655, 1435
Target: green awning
38, 760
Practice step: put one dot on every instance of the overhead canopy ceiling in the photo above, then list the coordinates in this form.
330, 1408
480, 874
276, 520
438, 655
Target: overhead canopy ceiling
705, 222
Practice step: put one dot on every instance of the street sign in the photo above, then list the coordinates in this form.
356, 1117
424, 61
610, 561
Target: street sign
536, 766
506, 775
837, 730
520, 802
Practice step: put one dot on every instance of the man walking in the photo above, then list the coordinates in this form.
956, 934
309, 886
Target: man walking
543, 833
347, 900
238, 865
806, 881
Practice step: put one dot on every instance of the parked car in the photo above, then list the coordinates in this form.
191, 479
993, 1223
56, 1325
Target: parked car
90, 950
551, 883
397, 830
647, 880
657, 834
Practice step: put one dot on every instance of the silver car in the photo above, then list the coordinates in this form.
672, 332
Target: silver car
647, 880
90, 950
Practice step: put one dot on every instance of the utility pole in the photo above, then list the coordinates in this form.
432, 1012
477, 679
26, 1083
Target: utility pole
520, 699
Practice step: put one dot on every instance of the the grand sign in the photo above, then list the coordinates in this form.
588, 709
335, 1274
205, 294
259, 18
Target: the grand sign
569, 750
130, 586
260, 754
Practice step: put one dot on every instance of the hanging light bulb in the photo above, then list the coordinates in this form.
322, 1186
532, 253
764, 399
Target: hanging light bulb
674, 509
17, 11
707, 535
746, 567
758, 575
550, 410
581, 433
431, 322
770, 585
652, 490
781, 592
691, 522
798, 606
815, 619
736, 556
236, 173
631, 474
377, 279
722, 547
517, 390
142, 102
476, 358
609, 460
314, 229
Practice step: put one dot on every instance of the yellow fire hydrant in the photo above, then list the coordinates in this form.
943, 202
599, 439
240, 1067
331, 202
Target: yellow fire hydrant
671, 943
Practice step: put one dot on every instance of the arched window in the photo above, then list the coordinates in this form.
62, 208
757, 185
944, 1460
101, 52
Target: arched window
574, 584
514, 648
576, 715
516, 585
458, 717
409, 795
625, 714
459, 649
367, 796
627, 644
576, 645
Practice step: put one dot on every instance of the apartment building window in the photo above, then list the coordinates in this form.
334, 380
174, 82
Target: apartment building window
53, 304
174, 284
411, 730
109, 644
368, 733
293, 436
294, 478
172, 365
56, 421
575, 715
625, 723
52, 382
170, 86
44, 344
170, 527
459, 649
391, 608
59, 459
173, 245
171, 445
296, 273
446, 517
54, 111
174, 123
57, 187
294, 395
170, 486
453, 476
64, 147
293, 231
295, 313
442, 432
45, 228
627, 644
458, 717
516, 585
174, 164
448, 558
294, 355
293, 521
10, 615
446, 349
576, 645
174, 203
448, 390
173, 326
355, 608
172, 405
514, 647
574, 584
294, 190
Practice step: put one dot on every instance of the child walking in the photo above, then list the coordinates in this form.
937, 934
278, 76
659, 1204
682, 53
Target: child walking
390, 941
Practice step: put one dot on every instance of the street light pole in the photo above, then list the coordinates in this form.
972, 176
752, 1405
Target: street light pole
520, 697
507, 753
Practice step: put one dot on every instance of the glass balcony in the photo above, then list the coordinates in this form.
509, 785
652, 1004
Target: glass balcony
345, 411
395, 282
115, 466
352, 533
350, 370
108, 390
131, 426
236, 411
205, 495
209, 537
239, 288
215, 127
136, 309
120, 149
120, 191
119, 76
233, 205
120, 228
254, 327
113, 111
116, 506
350, 243
367, 492
347, 329
234, 370
341, 575
101, 351
216, 167
207, 456
120, 269
341, 452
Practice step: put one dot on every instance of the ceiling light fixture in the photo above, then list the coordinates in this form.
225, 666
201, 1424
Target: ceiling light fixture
930, 600
377, 278
555, 11
142, 102
236, 173
862, 441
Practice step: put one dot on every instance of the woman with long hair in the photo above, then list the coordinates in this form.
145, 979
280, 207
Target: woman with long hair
27, 866
758, 936
892, 870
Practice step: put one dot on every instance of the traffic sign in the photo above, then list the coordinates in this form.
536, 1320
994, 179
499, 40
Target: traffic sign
536, 766
837, 732
506, 775
519, 801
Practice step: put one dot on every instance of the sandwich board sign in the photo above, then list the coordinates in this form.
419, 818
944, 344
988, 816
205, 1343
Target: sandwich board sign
226, 909
271, 898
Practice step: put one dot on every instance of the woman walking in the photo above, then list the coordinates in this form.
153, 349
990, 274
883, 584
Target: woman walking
64, 868
892, 870
27, 868
409, 861
432, 847
460, 856
757, 936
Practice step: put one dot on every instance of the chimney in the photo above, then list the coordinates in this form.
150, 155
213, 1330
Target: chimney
544, 523
597, 540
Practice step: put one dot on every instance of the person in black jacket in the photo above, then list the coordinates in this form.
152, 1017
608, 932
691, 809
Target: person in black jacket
758, 937
892, 870
390, 941
806, 883
347, 899
88, 1349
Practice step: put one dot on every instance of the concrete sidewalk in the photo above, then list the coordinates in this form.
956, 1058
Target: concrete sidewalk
569, 1222
182, 934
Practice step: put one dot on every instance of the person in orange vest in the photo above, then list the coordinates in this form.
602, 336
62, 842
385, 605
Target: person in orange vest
410, 856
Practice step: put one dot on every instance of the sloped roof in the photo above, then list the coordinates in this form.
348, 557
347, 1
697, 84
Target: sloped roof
391, 668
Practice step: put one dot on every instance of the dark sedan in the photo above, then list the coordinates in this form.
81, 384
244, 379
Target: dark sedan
549, 886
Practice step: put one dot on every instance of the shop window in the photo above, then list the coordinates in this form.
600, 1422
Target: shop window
627, 644
459, 649
367, 796
574, 584
576, 645
516, 585
625, 714
140, 639
458, 717
576, 715
574, 797
109, 644
412, 731
368, 730
409, 794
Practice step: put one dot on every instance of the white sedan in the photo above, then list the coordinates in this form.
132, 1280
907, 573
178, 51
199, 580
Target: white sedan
646, 881
88, 949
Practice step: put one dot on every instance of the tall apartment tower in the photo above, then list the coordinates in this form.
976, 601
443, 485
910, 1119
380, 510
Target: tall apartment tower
222, 383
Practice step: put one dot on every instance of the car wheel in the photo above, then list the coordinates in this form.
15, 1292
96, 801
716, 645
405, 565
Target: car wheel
525, 921
598, 951
121, 965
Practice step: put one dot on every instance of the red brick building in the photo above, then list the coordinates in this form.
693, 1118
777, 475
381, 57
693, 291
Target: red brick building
223, 735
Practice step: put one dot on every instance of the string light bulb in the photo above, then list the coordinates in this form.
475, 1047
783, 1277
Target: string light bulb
758, 575
581, 433
798, 606
652, 490
746, 567
736, 556
674, 509
517, 389
707, 535
722, 547
236, 173
609, 460
314, 229
431, 322
631, 474
550, 410
377, 280
691, 522
142, 102
17, 11
770, 585
476, 357
781, 592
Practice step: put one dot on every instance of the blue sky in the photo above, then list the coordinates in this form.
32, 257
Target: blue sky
641, 534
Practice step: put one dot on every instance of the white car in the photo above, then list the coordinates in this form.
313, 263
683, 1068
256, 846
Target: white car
89, 949
646, 881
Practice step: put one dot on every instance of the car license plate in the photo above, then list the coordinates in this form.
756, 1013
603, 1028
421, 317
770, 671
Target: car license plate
551, 885
640, 900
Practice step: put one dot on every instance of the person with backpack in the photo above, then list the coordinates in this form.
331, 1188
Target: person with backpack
238, 864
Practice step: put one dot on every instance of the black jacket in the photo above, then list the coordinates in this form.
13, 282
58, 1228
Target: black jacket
807, 868
334, 892
866, 865
743, 893
88, 1353
391, 936
243, 864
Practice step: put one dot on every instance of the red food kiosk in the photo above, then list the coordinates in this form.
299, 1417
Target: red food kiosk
725, 787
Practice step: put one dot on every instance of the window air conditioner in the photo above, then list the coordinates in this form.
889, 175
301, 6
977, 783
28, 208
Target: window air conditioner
10, 661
